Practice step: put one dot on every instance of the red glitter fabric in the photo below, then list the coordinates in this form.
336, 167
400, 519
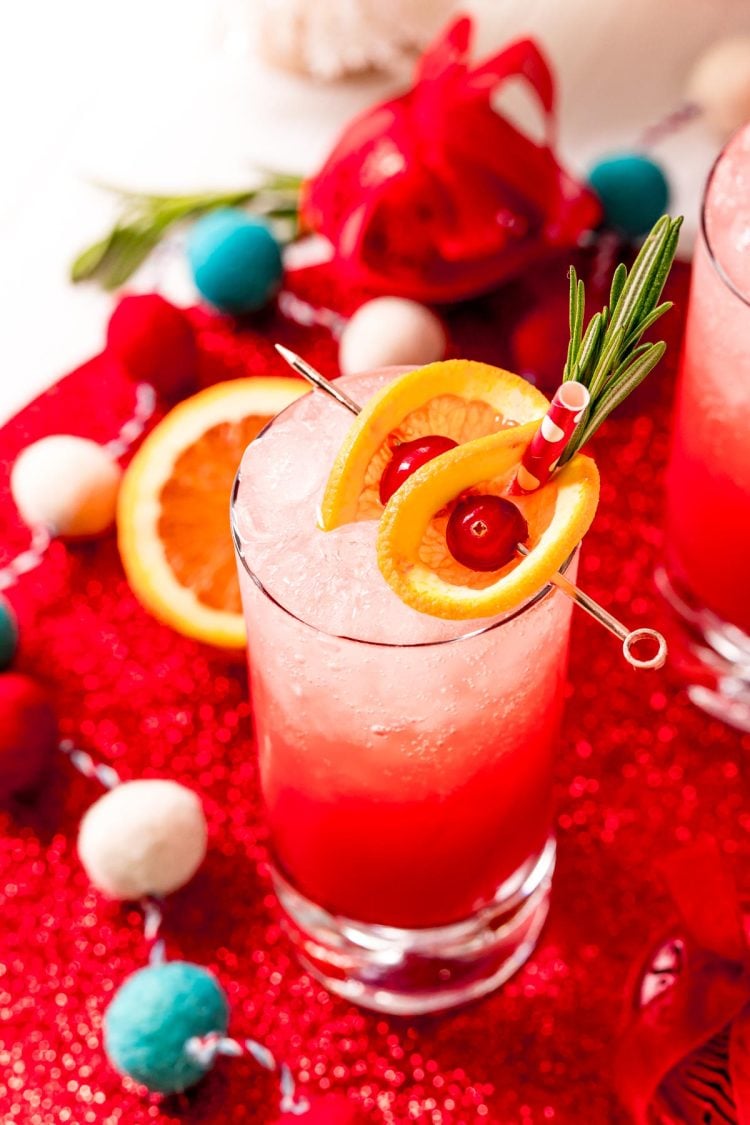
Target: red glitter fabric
640, 772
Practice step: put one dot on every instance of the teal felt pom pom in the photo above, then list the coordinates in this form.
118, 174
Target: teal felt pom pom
235, 260
633, 191
153, 1015
8, 634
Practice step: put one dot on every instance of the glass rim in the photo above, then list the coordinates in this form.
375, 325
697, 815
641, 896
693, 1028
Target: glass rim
712, 255
541, 594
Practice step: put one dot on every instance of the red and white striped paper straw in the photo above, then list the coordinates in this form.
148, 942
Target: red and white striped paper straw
545, 448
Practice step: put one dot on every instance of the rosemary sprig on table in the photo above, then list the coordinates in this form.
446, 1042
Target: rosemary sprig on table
608, 357
145, 219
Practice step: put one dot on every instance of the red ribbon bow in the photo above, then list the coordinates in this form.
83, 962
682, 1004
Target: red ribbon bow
710, 994
435, 195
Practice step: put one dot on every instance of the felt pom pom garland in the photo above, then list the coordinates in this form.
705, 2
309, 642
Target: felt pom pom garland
155, 343
68, 484
167, 1024
132, 849
87, 475
38, 503
235, 260
135, 849
142, 838
139, 841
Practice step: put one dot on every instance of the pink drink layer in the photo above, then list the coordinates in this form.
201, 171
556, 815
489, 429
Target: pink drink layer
405, 780
709, 474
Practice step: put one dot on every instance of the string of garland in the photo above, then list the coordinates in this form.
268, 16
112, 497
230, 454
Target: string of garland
166, 1025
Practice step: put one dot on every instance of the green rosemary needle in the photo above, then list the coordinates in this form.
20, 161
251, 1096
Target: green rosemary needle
609, 357
145, 220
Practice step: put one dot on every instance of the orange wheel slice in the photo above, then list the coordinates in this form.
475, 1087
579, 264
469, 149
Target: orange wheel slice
459, 399
412, 552
173, 509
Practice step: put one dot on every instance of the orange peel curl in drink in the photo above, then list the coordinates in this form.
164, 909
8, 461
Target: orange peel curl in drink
458, 398
493, 415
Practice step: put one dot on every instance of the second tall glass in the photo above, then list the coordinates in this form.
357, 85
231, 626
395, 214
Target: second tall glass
708, 482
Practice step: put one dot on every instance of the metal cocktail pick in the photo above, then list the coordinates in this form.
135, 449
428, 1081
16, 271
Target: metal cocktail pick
630, 637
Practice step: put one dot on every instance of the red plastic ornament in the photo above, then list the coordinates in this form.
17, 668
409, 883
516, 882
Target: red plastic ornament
155, 343
483, 532
408, 457
28, 734
435, 195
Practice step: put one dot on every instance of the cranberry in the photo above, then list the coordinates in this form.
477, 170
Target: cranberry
484, 531
409, 456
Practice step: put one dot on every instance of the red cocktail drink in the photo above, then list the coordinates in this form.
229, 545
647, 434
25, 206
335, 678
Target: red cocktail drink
406, 761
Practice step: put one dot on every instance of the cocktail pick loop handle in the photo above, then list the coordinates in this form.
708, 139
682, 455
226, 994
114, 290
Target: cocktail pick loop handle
630, 637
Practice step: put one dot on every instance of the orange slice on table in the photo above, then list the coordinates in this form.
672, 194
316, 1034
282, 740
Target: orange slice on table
412, 552
457, 398
173, 509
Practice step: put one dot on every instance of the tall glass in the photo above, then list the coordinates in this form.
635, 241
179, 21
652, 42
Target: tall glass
708, 484
407, 784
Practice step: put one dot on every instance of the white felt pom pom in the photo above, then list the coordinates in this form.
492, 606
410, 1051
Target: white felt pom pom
720, 84
390, 331
143, 837
67, 483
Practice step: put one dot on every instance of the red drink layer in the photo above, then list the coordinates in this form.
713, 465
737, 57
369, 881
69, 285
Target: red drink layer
708, 512
405, 823
407, 771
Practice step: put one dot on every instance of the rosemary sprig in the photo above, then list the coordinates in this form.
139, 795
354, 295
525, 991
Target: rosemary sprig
145, 219
608, 357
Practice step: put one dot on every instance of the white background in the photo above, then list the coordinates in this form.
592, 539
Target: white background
169, 95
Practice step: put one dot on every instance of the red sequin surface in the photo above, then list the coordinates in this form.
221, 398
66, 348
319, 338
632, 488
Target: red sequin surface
640, 772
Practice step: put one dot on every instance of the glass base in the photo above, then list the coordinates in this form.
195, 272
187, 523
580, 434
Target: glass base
411, 972
714, 658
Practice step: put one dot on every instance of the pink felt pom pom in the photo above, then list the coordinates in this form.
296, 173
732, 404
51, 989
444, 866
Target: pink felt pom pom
155, 343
